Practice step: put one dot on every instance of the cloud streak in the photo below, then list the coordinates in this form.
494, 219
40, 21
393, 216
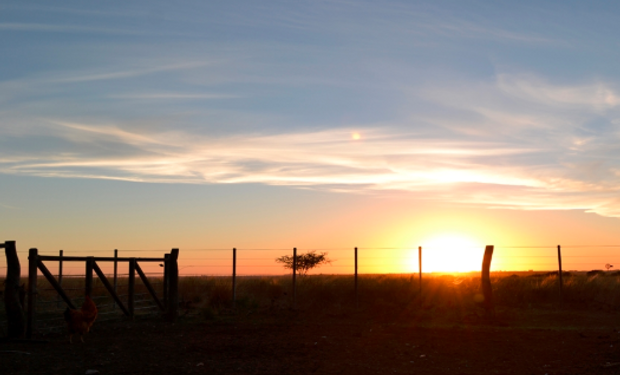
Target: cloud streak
273, 97
491, 173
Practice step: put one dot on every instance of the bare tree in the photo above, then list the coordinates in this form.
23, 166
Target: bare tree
305, 262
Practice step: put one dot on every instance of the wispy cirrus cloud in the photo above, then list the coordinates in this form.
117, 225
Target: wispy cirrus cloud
172, 96
43, 27
130, 73
492, 173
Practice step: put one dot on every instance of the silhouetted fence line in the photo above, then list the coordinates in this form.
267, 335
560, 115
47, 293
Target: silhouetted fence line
352, 262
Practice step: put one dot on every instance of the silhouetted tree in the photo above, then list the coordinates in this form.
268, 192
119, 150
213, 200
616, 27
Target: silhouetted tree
305, 262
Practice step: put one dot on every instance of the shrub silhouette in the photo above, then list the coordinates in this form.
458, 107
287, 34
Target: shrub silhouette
305, 262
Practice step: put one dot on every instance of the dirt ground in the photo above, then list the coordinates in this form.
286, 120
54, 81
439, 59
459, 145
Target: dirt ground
293, 342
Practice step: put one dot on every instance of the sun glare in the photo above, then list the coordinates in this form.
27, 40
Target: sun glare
451, 253
356, 136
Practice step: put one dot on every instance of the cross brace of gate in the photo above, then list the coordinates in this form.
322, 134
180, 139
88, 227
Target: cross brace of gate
168, 306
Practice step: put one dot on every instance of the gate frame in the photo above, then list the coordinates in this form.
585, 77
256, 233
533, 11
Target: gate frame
168, 307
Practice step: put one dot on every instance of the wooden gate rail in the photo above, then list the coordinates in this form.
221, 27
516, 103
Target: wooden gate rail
170, 261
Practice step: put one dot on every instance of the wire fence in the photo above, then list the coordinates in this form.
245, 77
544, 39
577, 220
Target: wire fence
262, 262
370, 260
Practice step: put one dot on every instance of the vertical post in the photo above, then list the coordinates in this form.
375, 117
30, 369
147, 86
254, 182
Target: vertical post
560, 272
173, 293
420, 265
60, 254
166, 279
115, 274
487, 292
234, 277
356, 290
33, 254
294, 277
131, 293
88, 288
13, 302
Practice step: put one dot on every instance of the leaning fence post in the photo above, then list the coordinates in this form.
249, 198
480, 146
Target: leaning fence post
173, 293
560, 272
420, 265
234, 278
13, 301
486, 279
115, 274
32, 290
294, 277
356, 290
88, 289
131, 293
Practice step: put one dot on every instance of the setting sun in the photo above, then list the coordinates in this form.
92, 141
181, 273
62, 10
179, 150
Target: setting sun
451, 253
356, 136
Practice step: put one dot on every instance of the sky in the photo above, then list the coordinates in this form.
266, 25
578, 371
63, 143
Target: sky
322, 125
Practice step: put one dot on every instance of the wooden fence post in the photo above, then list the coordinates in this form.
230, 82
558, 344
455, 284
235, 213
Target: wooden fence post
115, 274
234, 278
60, 254
420, 265
131, 293
32, 290
356, 290
173, 293
487, 292
88, 285
560, 273
294, 277
166, 280
16, 322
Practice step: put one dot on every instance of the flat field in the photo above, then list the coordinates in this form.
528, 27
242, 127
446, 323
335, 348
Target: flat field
440, 331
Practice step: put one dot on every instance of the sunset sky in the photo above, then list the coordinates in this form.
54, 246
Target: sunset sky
313, 124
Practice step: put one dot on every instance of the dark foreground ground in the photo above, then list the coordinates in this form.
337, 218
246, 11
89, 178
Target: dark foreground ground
516, 342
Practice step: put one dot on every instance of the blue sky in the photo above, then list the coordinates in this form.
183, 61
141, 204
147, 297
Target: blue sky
485, 105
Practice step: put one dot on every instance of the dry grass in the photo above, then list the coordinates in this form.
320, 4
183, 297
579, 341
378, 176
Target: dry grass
378, 294
450, 293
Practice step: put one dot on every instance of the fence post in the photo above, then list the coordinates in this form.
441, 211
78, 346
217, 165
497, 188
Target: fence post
131, 293
115, 274
13, 302
294, 277
88, 288
420, 265
32, 290
173, 293
166, 279
356, 290
234, 278
560, 272
486, 279
60, 255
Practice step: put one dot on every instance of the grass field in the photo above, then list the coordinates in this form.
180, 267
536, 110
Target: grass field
395, 329
455, 293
